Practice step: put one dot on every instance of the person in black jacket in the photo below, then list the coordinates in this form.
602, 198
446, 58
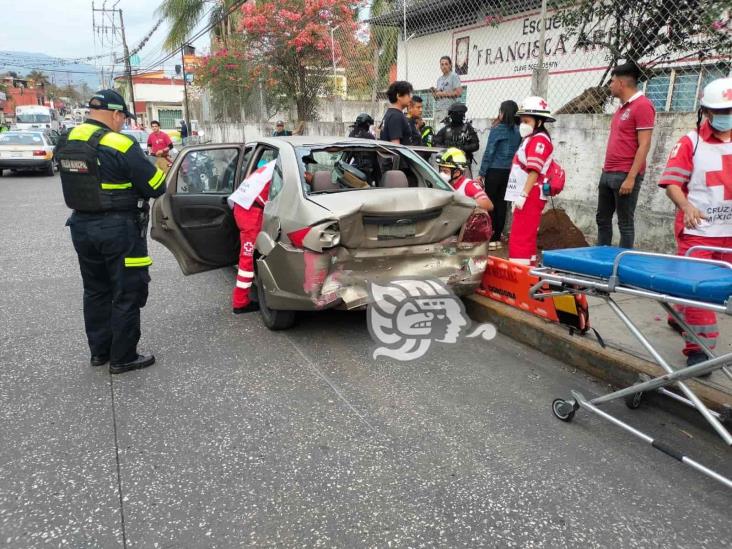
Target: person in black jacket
458, 133
364, 161
362, 127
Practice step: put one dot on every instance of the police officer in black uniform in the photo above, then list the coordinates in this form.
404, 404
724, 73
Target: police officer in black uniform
458, 133
108, 181
364, 161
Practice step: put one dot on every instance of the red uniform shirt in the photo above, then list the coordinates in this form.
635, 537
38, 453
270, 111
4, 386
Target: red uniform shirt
469, 188
158, 141
705, 176
638, 113
534, 154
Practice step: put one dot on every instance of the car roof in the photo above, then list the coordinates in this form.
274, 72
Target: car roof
321, 140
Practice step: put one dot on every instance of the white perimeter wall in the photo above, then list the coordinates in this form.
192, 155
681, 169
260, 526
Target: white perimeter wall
580, 141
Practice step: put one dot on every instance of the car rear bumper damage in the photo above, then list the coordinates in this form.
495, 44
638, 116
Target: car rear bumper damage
341, 277
24, 164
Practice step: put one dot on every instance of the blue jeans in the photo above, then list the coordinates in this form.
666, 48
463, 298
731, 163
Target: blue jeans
609, 202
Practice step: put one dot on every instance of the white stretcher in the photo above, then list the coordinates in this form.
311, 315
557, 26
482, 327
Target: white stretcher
670, 280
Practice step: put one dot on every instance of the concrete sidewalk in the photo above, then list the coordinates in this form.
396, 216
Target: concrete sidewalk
651, 320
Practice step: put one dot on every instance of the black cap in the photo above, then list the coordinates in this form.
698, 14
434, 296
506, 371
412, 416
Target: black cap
109, 100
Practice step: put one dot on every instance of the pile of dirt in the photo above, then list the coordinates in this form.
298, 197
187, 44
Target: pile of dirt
557, 231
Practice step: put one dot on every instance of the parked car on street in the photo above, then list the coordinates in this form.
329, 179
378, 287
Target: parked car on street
329, 227
138, 135
26, 150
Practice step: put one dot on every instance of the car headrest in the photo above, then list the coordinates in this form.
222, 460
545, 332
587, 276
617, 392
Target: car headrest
394, 179
323, 181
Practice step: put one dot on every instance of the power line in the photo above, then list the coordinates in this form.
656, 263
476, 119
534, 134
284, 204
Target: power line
203, 31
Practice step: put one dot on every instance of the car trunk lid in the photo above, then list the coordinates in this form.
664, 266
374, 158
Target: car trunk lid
385, 218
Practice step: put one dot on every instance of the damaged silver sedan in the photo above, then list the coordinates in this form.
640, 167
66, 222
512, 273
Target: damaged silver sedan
342, 213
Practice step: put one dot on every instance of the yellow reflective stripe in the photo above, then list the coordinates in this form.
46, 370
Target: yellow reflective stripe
116, 141
138, 261
82, 132
116, 186
157, 179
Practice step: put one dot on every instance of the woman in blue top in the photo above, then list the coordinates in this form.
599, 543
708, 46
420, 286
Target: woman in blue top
503, 141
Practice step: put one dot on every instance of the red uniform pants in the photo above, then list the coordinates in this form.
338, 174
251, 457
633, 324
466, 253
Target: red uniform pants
249, 223
702, 321
525, 229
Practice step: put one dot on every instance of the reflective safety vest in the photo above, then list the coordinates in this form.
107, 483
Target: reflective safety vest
81, 180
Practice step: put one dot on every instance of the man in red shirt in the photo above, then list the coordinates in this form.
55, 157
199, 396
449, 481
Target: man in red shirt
698, 179
158, 142
625, 159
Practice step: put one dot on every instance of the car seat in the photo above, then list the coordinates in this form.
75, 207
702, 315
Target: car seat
323, 181
394, 179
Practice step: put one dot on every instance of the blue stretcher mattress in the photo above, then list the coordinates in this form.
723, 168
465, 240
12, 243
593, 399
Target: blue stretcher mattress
668, 275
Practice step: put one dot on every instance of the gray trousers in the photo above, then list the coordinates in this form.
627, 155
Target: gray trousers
609, 202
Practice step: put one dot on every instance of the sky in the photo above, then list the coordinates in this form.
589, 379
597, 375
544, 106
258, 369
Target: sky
63, 28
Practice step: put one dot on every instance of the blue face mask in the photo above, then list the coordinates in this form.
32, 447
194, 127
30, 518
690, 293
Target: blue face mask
722, 122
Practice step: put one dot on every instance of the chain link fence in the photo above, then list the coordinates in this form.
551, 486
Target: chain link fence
562, 50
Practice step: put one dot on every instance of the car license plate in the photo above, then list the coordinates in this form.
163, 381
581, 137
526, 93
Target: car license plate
406, 230
16, 155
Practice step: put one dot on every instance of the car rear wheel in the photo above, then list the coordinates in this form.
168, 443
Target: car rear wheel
49, 169
273, 319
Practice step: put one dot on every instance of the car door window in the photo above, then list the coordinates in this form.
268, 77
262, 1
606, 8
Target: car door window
208, 172
277, 180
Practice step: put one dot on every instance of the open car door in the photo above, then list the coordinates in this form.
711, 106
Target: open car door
192, 219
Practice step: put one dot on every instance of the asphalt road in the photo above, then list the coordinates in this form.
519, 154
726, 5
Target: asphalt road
239, 436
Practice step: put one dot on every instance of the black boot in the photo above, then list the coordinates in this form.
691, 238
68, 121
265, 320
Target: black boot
697, 357
142, 361
253, 306
99, 360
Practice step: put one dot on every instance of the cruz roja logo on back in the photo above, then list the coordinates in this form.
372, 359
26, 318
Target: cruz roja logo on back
406, 316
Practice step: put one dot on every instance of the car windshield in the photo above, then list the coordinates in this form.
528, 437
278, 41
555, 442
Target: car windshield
33, 118
12, 138
338, 168
140, 136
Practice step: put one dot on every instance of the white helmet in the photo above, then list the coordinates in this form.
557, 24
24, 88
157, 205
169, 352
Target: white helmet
536, 106
717, 94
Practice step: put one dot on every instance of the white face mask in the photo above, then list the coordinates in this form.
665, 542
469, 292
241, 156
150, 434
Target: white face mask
525, 129
445, 177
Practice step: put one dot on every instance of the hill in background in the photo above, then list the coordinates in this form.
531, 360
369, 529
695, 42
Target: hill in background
55, 68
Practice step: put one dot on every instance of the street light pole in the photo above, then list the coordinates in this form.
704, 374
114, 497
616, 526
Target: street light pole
128, 66
185, 86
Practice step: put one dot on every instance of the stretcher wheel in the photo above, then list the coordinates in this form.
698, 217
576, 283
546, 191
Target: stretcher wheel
563, 409
634, 400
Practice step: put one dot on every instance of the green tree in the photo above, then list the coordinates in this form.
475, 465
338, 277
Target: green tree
648, 33
38, 78
184, 15
384, 43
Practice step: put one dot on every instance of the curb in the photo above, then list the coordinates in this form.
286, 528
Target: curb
614, 366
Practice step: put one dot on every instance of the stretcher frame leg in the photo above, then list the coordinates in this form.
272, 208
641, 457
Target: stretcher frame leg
690, 333
564, 410
674, 376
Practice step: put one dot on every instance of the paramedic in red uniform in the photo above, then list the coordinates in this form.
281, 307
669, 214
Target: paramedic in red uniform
452, 165
249, 222
530, 163
698, 179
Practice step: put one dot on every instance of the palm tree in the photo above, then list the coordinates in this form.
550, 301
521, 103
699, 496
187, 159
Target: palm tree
38, 78
184, 15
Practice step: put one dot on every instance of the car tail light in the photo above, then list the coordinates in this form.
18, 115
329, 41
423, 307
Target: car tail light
316, 238
39, 153
297, 237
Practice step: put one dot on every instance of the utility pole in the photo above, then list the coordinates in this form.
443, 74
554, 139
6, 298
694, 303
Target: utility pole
128, 66
185, 85
105, 26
